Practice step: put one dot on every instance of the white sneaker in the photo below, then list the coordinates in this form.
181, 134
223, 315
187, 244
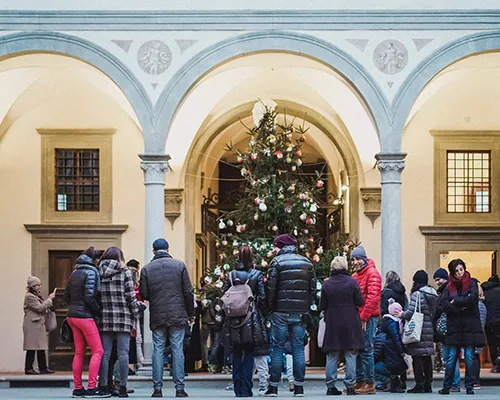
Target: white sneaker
262, 392
230, 386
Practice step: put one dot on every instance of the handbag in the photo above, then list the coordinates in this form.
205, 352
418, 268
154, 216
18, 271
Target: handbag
413, 328
442, 324
321, 332
66, 333
50, 321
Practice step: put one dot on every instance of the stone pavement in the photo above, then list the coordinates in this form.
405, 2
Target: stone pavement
215, 390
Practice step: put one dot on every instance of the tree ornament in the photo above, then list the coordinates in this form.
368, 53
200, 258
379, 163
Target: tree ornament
271, 139
256, 217
219, 284
226, 267
224, 242
291, 188
314, 307
267, 152
208, 280
253, 157
235, 252
281, 196
289, 135
279, 155
222, 225
241, 228
305, 231
314, 207
302, 138
311, 239
217, 244
274, 228
298, 162
289, 149
302, 247
309, 221
319, 250
299, 153
315, 258
262, 207
240, 159
244, 172
303, 216
230, 222
320, 183
289, 160
294, 168
217, 271
256, 201
263, 263
288, 209
270, 253
295, 233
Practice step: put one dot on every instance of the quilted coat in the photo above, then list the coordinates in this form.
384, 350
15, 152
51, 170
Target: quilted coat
120, 308
254, 333
35, 334
370, 282
393, 348
428, 302
291, 282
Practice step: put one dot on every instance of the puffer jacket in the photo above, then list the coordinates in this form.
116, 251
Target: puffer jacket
393, 348
463, 320
166, 285
291, 282
438, 311
492, 302
254, 332
370, 283
428, 302
82, 290
396, 291
120, 309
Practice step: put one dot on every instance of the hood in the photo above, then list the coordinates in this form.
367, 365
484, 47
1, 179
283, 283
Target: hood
84, 260
397, 287
490, 285
428, 291
108, 268
288, 250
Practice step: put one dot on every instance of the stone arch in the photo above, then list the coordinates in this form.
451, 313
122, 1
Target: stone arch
84, 50
210, 134
430, 67
182, 82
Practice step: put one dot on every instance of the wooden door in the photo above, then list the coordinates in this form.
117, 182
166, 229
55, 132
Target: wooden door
61, 264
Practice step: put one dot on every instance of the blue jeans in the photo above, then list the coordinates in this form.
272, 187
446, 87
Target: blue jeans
350, 368
455, 384
382, 374
284, 326
243, 372
216, 338
471, 366
176, 338
365, 366
122, 345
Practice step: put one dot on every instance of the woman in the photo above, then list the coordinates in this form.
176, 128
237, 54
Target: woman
81, 295
252, 333
393, 289
119, 315
340, 299
422, 351
35, 334
464, 330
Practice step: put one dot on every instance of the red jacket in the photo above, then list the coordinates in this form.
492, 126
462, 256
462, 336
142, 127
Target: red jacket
370, 282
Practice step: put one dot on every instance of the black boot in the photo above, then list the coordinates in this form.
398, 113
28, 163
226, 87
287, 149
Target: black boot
333, 392
122, 391
418, 388
396, 385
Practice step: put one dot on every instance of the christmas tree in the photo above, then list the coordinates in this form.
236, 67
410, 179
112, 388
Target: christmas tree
277, 197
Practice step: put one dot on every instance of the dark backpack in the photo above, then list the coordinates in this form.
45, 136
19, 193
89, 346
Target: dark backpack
238, 301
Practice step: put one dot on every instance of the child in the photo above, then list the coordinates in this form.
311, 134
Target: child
393, 348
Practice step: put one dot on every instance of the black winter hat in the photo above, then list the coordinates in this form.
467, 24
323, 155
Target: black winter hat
421, 277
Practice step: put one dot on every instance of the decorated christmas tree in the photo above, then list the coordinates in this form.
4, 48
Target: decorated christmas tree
277, 196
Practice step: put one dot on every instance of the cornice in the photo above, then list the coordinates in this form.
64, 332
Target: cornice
236, 20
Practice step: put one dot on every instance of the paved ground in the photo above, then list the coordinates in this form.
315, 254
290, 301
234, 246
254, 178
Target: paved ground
215, 390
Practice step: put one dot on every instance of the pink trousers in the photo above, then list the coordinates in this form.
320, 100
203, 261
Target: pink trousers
85, 332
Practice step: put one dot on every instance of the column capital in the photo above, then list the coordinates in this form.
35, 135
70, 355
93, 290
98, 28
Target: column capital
154, 166
390, 166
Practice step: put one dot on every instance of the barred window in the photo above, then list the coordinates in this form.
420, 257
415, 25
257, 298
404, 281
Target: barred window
77, 179
468, 181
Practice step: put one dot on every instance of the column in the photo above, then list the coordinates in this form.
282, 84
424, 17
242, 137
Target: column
390, 166
154, 166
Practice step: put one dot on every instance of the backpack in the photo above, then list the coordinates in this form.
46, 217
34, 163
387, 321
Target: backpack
238, 301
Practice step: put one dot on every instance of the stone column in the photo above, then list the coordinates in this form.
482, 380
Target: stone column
154, 166
390, 166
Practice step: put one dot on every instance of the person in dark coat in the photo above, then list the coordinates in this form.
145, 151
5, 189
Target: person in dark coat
393, 289
422, 351
491, 290
166, 285
392, 351
464, 330
340, 299
245, 338
290, 290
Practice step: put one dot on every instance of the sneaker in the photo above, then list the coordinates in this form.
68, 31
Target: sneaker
291, 386
470, 391
157, 393
382, 387
477, 386
262, 392
298, 391
78, 393
444, 391
96, 394
181, 393
272, 391
455, 390
230, 386
211, 369
333, 392
30, 372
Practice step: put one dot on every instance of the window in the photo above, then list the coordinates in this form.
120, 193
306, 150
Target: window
76, 184
466, 176
468, 181
77, 179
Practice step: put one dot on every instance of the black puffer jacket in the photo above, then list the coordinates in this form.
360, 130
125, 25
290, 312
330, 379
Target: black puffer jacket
166, 285
396, 291
254, 333
82, 290
492, 302
291, 282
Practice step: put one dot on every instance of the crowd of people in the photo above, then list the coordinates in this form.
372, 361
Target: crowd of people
375, 331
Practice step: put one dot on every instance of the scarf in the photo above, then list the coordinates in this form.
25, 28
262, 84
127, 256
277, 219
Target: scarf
455, 286
37, 293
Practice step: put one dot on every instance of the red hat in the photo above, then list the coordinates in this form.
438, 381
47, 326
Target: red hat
281, 241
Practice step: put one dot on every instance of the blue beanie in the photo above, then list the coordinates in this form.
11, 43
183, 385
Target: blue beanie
441, 273
160, 244
359, 252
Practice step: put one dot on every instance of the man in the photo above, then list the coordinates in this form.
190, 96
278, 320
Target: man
290, 286
492, 302
370, 282
166, 285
